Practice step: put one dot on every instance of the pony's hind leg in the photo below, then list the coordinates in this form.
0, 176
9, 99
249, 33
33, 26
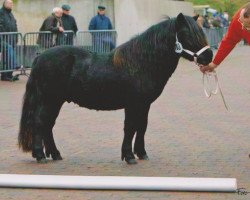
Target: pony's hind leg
142, 122
43, 136
129, 132
50, 147
37, 146
48, 139
37, 136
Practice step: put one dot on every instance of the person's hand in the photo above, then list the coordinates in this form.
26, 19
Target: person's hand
61, 29
208, 68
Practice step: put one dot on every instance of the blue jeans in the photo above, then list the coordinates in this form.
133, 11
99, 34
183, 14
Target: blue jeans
102, 43
8, 57
8, 60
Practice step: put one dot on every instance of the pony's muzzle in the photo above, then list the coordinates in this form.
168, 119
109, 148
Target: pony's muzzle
205, 57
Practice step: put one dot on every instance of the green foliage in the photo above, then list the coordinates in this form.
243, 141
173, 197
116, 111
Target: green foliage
231, 6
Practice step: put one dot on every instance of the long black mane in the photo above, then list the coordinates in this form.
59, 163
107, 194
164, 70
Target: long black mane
143, 46
156, 42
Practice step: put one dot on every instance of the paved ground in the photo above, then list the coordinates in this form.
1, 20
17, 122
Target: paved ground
188, 136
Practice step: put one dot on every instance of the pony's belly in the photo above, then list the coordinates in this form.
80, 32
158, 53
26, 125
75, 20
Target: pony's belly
101, 105
99, 101
104, 94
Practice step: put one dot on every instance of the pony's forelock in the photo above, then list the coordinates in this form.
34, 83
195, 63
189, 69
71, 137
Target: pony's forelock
197, 31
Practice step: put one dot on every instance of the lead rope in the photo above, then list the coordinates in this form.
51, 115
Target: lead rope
179, 49
211, 92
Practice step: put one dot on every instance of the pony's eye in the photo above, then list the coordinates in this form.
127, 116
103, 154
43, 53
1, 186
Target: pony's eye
187, 37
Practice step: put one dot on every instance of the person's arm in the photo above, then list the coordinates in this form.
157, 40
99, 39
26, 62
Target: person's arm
232, 37
109, 25
50, 25
2, 29
92, 24
15, 23
75, 28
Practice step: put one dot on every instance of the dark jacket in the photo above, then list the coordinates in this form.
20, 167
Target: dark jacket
100, 22
50, 24
8, 24
206, 23
69, 23
7, 21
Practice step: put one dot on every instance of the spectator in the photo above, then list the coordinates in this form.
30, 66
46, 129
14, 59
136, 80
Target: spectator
216, 22
8, 42
206, 22
101, 22
200, 21
225, 15
224, 21
53, 23
69, 24
239, 29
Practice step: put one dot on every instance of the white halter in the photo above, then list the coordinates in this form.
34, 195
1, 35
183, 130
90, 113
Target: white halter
179, 49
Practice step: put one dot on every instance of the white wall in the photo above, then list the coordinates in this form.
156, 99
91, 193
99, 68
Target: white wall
134, 16
31, 13
129, 17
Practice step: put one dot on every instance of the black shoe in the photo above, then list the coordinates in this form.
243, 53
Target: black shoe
6, 79
15, 78
3, 76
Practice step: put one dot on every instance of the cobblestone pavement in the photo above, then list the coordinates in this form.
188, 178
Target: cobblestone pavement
187, 136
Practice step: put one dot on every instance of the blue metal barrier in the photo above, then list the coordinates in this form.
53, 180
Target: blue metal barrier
215, 35
97, 40
18, 52
11, 51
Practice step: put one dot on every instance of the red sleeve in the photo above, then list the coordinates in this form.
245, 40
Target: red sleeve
232, 37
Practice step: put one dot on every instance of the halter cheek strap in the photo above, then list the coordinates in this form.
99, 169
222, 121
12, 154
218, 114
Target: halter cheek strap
179, 49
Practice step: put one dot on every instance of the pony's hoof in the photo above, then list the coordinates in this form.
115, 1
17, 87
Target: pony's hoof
41, 160
57, 157
47, 154
129, 158
144, 157
131, 161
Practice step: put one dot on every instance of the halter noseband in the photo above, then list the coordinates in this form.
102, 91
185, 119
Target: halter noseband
179, 49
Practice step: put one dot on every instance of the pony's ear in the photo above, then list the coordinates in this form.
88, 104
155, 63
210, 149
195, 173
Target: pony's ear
196, 17
181, 21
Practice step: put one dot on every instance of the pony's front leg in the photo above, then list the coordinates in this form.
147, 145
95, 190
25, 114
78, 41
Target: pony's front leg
129, 131
142, 122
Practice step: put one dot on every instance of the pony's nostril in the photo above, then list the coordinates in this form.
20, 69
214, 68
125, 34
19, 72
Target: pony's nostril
206, 57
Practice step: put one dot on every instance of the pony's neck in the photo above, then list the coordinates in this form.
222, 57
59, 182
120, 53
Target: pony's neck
153, 50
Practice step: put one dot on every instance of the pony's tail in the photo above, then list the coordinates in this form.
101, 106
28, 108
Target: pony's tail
27, 122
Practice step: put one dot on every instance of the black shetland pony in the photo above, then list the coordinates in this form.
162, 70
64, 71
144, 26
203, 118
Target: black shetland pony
130, 77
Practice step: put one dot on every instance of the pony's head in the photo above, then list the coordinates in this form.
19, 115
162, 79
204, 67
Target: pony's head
191, 42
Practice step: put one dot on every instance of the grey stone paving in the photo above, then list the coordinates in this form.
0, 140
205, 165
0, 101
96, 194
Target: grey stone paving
188, 136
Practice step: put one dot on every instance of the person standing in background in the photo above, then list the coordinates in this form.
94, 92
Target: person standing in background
53, 23
101, 22
69, 24
206, 23
8, 42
